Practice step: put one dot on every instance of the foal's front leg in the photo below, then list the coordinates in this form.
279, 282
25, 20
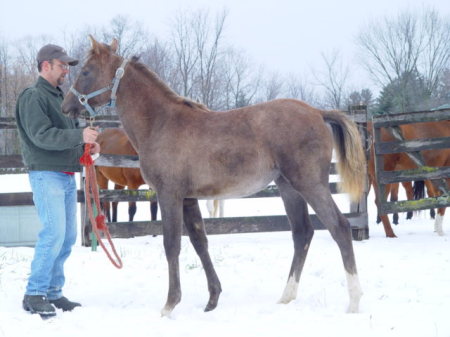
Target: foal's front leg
172, 221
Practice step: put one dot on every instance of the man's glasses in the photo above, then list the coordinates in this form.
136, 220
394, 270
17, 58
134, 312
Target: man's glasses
62, 66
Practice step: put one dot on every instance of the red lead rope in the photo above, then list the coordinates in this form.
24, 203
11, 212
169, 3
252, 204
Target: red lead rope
98, 223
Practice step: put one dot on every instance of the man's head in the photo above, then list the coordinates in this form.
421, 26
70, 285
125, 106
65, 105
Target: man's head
53, 63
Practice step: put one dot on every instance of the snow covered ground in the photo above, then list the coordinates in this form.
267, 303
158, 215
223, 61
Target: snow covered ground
406, 284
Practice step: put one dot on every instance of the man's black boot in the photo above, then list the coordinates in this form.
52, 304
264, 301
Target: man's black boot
38, 304
64, 304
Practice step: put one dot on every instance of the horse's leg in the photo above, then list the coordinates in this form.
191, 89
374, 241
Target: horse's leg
210, 208
221, 208
302, 233
216, 208
320, 199
394, 197
131, 210
384, 218
154, 210
172, 219
116, 203
312, 182
439, 219
132, 204
432, 211
407, 185
389, 165
196, 230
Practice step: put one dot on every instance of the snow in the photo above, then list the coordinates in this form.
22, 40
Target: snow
406, 284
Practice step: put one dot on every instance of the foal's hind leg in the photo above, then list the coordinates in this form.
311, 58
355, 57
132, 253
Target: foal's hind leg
196, 230
302, 233
313, 185
320, 199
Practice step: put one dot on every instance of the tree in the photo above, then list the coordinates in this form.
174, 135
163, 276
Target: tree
4, 59
185, 56
298, 88
273, 86
363, 97
407, 43
242, 81
333, 80
198, 50
442, 94
208, 44
131, 36
406, 94
159, 58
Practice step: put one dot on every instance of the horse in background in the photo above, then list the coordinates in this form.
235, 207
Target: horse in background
216, 208
413, 192
393, 193
115, 141
401, 161
188, 153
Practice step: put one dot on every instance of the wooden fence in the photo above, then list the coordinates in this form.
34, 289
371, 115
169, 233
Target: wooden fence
412, 148
13, 164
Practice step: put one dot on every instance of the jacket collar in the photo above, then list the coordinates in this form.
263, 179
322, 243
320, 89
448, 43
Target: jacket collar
43, 83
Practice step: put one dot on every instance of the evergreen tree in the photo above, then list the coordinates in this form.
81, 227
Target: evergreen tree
407, 93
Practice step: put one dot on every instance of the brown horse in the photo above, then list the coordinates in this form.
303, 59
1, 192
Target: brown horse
401, 161
115, 141
393, 193
188, 153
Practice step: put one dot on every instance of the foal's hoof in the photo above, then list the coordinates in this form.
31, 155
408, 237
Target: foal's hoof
210, 306
353, 308
165, 312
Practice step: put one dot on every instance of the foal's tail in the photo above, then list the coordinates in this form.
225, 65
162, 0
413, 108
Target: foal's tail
351, 163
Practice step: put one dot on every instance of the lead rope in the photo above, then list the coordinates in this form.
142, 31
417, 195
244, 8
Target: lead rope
98, 223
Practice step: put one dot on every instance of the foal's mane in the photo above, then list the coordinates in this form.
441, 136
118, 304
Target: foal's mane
165, 89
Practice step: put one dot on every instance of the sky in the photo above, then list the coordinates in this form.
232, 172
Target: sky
284, 36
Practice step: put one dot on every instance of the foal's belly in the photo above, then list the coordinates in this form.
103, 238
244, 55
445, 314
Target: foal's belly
234, 187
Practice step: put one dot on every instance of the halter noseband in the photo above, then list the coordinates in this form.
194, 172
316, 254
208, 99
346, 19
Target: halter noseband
83, 99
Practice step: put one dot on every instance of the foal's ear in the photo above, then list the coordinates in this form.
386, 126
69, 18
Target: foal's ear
114, 45
95, 45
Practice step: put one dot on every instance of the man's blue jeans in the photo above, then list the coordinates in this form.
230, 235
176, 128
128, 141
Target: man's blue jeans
55, 197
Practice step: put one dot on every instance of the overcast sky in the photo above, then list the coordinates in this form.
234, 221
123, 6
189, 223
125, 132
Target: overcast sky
283, 35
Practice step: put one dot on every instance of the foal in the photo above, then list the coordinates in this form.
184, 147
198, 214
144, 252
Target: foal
188, 152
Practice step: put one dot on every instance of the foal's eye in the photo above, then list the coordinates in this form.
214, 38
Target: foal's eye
85, 73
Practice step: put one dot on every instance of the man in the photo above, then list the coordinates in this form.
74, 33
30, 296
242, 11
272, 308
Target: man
51, 147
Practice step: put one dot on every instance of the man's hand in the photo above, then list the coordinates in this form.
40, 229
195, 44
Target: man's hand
95, 148
90, 135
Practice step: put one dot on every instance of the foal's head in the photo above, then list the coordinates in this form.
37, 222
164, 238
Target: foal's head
97, 72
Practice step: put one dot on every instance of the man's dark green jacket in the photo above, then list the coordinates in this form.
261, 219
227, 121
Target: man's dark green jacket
50, 141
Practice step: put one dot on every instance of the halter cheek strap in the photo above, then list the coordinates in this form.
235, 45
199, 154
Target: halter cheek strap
83, 99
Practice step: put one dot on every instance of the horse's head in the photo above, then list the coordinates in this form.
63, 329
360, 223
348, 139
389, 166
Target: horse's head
93, 86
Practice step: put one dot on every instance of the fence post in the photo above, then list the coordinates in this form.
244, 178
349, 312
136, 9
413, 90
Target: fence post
361, 232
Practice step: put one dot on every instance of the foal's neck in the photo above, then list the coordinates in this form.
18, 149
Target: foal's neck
143, 103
